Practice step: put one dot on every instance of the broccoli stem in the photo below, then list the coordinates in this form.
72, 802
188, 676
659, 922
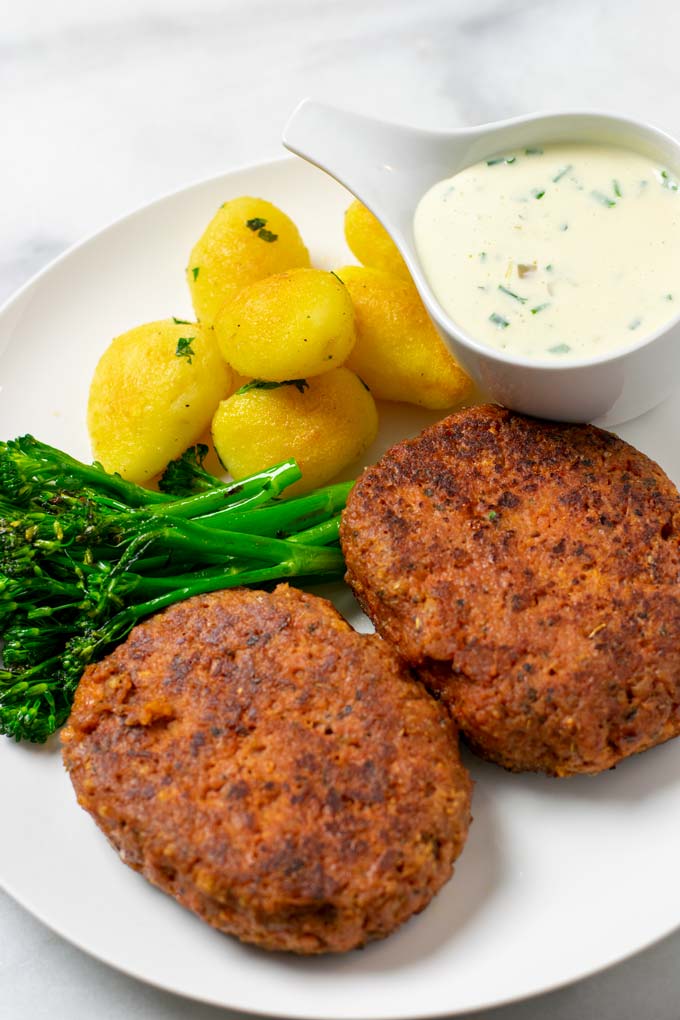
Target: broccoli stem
320, 534
85, 555
286, 516
35, 460
251, 491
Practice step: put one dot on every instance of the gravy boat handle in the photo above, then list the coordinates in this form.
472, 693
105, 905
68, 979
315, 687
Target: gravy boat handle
387, 166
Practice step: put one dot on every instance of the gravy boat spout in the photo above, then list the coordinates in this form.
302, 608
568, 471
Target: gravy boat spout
389, 168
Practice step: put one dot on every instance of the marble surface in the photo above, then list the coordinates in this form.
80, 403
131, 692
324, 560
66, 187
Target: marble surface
105, 106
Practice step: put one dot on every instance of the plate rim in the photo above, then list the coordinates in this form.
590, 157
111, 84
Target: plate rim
110, 225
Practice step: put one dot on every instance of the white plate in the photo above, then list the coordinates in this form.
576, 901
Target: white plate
558, 879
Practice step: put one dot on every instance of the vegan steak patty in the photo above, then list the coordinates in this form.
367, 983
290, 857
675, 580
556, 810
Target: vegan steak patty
530, 571
277, 773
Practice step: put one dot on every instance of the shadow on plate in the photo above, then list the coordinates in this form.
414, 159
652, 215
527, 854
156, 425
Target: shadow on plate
634, 779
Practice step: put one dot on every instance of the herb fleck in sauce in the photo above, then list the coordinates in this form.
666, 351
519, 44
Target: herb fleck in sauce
558, 251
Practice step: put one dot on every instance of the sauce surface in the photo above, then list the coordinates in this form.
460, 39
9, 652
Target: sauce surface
556, 252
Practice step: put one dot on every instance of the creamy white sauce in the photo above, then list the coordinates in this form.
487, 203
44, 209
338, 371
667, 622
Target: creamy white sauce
559, 252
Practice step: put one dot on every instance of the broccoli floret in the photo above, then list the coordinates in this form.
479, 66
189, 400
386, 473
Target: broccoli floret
84, 555
187, 476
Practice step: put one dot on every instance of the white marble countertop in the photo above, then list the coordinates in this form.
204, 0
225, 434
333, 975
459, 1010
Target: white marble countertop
105, 106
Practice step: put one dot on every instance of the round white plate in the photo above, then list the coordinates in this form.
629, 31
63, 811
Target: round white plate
558, 879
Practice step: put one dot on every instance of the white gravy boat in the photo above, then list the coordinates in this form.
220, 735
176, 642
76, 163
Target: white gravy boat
390, 167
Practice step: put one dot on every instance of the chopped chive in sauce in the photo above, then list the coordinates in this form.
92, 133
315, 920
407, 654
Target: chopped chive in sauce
564, 226
512, 294
549, 267
669, 297
634, 323
559, 349
667, 181
500, 159
616, 188
540, 308
603, 199
533, 152
498, 320
482, 256
560, 173
537, 193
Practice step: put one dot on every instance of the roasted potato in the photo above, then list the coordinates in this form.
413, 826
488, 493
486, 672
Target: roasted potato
289, 326
398, 352
153, 394
324, 423
371, 244
246, 240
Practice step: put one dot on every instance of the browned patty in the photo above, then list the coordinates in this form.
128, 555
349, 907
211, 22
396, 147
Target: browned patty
530, 570
277, 773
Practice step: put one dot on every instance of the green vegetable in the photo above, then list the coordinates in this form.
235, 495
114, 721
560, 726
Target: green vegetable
184, 348
181, 322
533, 152
265, 384
85, 555
560, 174
256, 223
538, 194
195, 271
667, 181
603, 199
501, 159
616, 188
634, 323
186, 476
512, 294
540, 308
498, 320
267, 235
559, 349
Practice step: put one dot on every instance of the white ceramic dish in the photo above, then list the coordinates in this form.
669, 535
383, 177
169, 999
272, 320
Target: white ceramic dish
558, 879
390, 167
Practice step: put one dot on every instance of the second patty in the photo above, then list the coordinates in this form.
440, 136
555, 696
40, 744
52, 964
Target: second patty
530, 571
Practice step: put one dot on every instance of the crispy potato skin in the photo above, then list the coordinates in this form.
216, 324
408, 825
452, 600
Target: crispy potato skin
325, 428
398, 352
280, 775
370, 243
288, 326
530, 571
153, 394
229, 255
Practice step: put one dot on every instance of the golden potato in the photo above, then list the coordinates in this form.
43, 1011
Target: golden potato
398, 352
371, 244
325, 424
289, 326
154, 392
246, 240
